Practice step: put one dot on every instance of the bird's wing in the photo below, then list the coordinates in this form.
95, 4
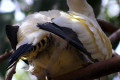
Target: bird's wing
11, 32
15, 56
68, 34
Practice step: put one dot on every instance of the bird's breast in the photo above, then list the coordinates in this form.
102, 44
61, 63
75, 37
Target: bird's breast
67, 60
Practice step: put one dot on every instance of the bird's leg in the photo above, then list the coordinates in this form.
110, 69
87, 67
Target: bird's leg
48, 76
45, 75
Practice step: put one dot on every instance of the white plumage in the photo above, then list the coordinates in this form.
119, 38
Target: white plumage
89, 33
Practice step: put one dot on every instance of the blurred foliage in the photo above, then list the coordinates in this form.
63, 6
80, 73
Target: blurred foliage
44, 5
4, 19
51, 4
96, 4
61, 5
115, 20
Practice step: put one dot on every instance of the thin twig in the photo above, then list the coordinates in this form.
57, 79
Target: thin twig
107, 27
115, 36
6, 55
10, 73
114, 53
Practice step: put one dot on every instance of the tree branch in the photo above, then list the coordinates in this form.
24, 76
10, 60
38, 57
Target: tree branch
5, 56
93, 71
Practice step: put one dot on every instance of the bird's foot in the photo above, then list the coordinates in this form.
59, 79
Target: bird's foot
45, 75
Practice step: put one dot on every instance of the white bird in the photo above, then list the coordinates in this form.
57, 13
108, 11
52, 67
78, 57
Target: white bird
76, 38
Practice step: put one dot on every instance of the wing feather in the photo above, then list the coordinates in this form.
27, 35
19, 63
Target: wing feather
68, 34
15, 56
